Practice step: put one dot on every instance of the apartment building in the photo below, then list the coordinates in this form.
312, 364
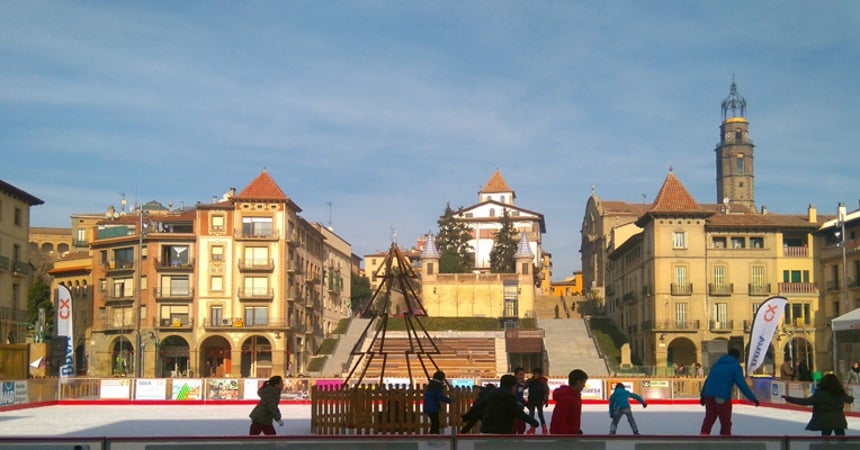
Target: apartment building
15, 269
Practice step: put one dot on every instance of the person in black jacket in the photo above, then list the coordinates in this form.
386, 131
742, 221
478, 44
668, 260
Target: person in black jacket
267, 410
474, 414
503, 408
433, 399
538, 397
827, 403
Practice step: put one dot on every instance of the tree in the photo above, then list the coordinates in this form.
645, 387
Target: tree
359, 292
502, 256
453, 243
39, 296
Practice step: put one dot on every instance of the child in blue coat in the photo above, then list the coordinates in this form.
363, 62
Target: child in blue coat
619, 406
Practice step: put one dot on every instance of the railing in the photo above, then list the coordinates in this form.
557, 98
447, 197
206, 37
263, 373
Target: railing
721, 289
185, 323
759, 289
241, 236
119, 297
628, 297
256, 264
175, 265
797, 288
721, 325
239, 322
119, 266
681, 289
680, 325
173, 293
21, 267
80, 243
255, 294
795, 251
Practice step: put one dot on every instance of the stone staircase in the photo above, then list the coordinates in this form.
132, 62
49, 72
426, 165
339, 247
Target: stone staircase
338, 363
567, 342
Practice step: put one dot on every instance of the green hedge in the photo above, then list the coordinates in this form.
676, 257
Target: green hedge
316, 363
342, 326
459, 324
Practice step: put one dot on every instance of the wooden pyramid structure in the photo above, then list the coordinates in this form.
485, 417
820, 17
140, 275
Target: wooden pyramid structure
395, 296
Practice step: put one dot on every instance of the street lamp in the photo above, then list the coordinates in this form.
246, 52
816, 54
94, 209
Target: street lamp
138, 301
840, 233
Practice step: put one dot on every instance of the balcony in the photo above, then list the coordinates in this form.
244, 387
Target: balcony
21, 268
174, 266
682, 289
294, 269
80, 243
795, 252
721, 289
174, 294
832, 285
256, 265
176, 323
256, 294
798, 288
116, 298
274, 324
759, 289
678, 325
628, 297
271, 236
721, 326
5, 263
117, 267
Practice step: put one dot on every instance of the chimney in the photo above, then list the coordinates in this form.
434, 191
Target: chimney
182, 205
764, 210
170, 206
214, 199
812, 213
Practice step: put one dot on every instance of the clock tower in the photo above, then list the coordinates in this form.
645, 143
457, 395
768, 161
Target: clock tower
734, 153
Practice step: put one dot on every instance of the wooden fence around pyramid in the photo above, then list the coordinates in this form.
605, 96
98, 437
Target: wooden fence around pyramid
395, 296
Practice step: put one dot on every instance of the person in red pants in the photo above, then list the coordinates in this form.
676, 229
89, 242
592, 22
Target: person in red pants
716, 395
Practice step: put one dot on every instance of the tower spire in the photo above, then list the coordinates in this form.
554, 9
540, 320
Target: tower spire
734, 105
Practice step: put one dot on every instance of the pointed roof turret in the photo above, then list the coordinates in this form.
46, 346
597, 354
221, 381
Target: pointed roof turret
262, 188
524, 250
430, 250
673, 196
496, 184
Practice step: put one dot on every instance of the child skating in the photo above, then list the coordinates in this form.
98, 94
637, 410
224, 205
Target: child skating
619, 405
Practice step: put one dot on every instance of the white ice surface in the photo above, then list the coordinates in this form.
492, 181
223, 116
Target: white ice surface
232, 420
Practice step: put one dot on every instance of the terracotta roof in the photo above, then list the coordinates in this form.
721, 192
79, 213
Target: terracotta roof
496, 184
20, 194
762, 220
615, 208
673, 196
262, 188
50, 230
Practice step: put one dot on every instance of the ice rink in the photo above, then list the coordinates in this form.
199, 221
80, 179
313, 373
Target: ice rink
232, 420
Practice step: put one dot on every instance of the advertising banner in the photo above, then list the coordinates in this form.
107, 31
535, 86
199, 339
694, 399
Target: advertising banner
222, 389
766, 319
187, 389
115, 388
150, 389
64, 328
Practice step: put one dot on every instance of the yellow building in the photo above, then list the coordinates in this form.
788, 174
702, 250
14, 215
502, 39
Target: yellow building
568, 287
16, 272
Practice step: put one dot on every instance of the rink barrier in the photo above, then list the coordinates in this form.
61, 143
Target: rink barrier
443, 442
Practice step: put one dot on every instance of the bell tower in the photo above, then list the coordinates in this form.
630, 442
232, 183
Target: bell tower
735, 174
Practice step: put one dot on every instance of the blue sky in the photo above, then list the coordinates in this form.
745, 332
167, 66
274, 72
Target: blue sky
389, 110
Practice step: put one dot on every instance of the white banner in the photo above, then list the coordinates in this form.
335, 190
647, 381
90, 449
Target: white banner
150, 389
65, 328
766, 319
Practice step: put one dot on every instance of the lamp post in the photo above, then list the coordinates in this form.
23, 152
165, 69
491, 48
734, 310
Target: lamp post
840, 233
138, 301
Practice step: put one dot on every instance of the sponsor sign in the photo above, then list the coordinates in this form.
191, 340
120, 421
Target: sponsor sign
115, 388
187, 389
150, 389
767, 318
7, 395
222, 389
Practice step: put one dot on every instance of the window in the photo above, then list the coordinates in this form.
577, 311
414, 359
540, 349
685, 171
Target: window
217, 223
256, 315
719, 242
216, 315
681, 275
174, 315
679, 239
217, 252
81, 234
103, 257
738, 242
719, 275
720, 315
257, 226
175, 256
430, 268
256, 286
123, 288
756, 242
216, 283
795, 276
124, 258
102, 285
681, 315
256, 256
18, 219
175, 286
120, 317
740, 163
492, 212
758, 275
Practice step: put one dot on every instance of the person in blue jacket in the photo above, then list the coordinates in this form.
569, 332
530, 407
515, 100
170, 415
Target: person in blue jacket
619, 406
433, 399
716, 395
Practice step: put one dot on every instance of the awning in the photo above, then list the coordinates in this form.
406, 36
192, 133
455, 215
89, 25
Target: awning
847, 321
